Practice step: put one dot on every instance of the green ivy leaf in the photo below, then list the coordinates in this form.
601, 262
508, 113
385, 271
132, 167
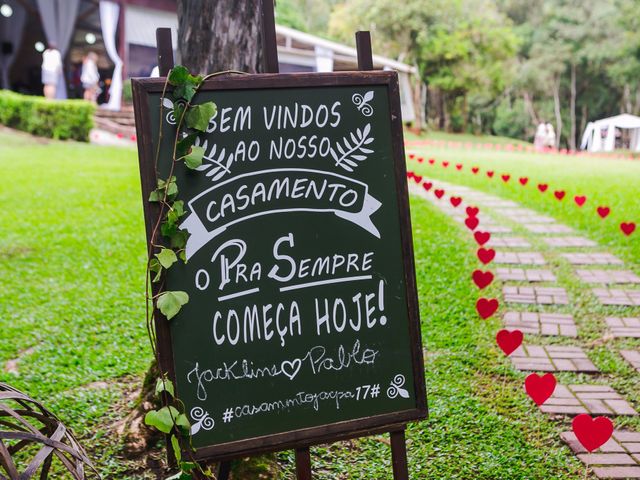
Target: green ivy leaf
178, 208
155, 267
170, 302
157, 195
179, 239
178, 75
183, 147
198, 116
183, 422
165, 385
167, 257
194, 159
188, 466
176, 448
172, 187
162, 419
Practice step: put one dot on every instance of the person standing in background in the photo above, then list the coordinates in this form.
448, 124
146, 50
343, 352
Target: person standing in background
51, 70
539, 141
551, 136
90, 77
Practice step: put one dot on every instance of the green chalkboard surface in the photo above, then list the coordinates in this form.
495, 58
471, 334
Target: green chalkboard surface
302, 322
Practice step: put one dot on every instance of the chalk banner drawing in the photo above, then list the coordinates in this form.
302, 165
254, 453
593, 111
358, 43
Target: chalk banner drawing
299, 312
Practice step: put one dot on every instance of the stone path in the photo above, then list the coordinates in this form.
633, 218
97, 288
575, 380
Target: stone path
557, 324
607, 276
591, 399
525, 275
624, 326
540, 307
618, 458
539, 295
552, 358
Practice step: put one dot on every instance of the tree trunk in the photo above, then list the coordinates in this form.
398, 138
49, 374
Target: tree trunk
572, 109
220, 35
556, 109
528, 106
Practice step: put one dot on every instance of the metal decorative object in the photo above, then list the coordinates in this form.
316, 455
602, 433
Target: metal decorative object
32, 434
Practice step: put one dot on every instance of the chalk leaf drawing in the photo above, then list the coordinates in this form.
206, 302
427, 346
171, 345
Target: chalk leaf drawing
395, 388
202, 420
215, 164
362, 103
348, 153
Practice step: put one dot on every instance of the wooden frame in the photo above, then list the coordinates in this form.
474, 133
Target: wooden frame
335, 431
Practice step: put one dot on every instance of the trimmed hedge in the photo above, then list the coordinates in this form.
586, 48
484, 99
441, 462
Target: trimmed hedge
59, 119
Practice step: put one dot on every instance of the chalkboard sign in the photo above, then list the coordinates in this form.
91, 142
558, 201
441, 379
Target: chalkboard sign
302, 324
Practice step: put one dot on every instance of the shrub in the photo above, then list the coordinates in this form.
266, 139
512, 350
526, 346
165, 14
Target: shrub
511, 120
59, 119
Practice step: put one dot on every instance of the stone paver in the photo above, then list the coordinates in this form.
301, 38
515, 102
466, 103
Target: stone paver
591, 399
618, 458
520, 258
614, 296
552, 358
508, 242
497, 229
541, 323
624, 326
541, 228
633, 357
525, 275
534, 220
582, 258
569, 242
607, 276
498, 203
537, 295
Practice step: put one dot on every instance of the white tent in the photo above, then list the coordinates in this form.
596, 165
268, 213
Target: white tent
600, 136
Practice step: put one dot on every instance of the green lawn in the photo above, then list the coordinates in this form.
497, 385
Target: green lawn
72, 260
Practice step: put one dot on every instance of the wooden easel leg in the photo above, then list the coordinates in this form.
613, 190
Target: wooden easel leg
399, 456
303, 463
224, 469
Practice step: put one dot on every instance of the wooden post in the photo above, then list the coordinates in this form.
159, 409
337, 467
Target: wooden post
165, 50
303, 463
269, 42
399, 455
363, 46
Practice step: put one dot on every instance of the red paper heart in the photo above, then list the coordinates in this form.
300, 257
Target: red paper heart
455, 201
540, 387
427, 186
486, 255
580, 199
523, 180
543, 187
482, 237
475, 170
490, 173
472, 211
482, 279
417, 178
459, 166
627, 228
410, 174
471, 222
592, 433
445, 164
509, 341
412, 156
505, 178
486, 307
559, 194
432, 161
420, 159
604, 211
439, 192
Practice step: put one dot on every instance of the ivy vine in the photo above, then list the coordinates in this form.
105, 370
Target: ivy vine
167, 247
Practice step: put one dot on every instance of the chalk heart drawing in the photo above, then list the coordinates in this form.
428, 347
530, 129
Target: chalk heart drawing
362, 103
291, 368
352, 149
395, 388
202, 420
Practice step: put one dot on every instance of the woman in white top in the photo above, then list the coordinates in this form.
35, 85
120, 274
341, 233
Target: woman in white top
51, 70
90, 77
